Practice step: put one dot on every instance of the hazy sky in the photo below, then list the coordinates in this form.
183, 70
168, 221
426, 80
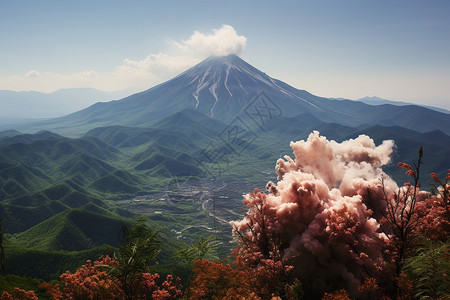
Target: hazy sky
398, 50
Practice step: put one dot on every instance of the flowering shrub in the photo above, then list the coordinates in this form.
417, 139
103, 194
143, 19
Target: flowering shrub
214, 280
338, 295
443, 191
370, 290
88, 282
405, 287
18, 294
91, 281
433, 222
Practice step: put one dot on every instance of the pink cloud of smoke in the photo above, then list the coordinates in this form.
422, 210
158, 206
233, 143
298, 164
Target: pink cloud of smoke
320, 208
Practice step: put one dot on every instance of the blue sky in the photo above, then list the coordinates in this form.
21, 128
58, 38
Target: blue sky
397, 50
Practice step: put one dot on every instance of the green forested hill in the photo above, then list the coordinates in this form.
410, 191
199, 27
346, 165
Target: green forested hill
73, 230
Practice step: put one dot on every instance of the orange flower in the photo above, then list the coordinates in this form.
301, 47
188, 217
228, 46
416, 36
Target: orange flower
404, 166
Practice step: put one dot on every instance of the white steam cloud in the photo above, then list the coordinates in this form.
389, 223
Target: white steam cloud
223, 41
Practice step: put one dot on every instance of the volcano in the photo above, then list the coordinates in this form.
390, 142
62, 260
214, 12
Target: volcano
221, 87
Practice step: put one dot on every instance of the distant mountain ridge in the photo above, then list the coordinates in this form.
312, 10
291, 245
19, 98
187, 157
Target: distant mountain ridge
32, 104
381, 101
222, 87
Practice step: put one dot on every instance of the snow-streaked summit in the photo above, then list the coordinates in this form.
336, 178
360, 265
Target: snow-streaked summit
230, 81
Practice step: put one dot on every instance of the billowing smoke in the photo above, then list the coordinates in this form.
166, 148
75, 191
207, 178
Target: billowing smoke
319, 209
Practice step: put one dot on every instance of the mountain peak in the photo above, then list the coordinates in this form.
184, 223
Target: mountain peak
231, 58
214, 62
224, 85
227, 87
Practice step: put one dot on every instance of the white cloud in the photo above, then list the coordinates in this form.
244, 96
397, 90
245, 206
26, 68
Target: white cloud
48, 81
223, 41
153, 68
33, 74
138, 74
85, 74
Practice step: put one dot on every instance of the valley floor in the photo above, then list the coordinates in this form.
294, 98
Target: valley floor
195, 205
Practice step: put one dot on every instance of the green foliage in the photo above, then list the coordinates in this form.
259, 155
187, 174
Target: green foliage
138, 250
139, 246
295, 290
201, 249
430, 269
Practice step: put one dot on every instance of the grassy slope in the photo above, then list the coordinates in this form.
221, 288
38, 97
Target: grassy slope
47, 265
72, 230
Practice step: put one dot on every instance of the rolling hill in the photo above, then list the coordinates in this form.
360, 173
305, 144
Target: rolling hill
73, 230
